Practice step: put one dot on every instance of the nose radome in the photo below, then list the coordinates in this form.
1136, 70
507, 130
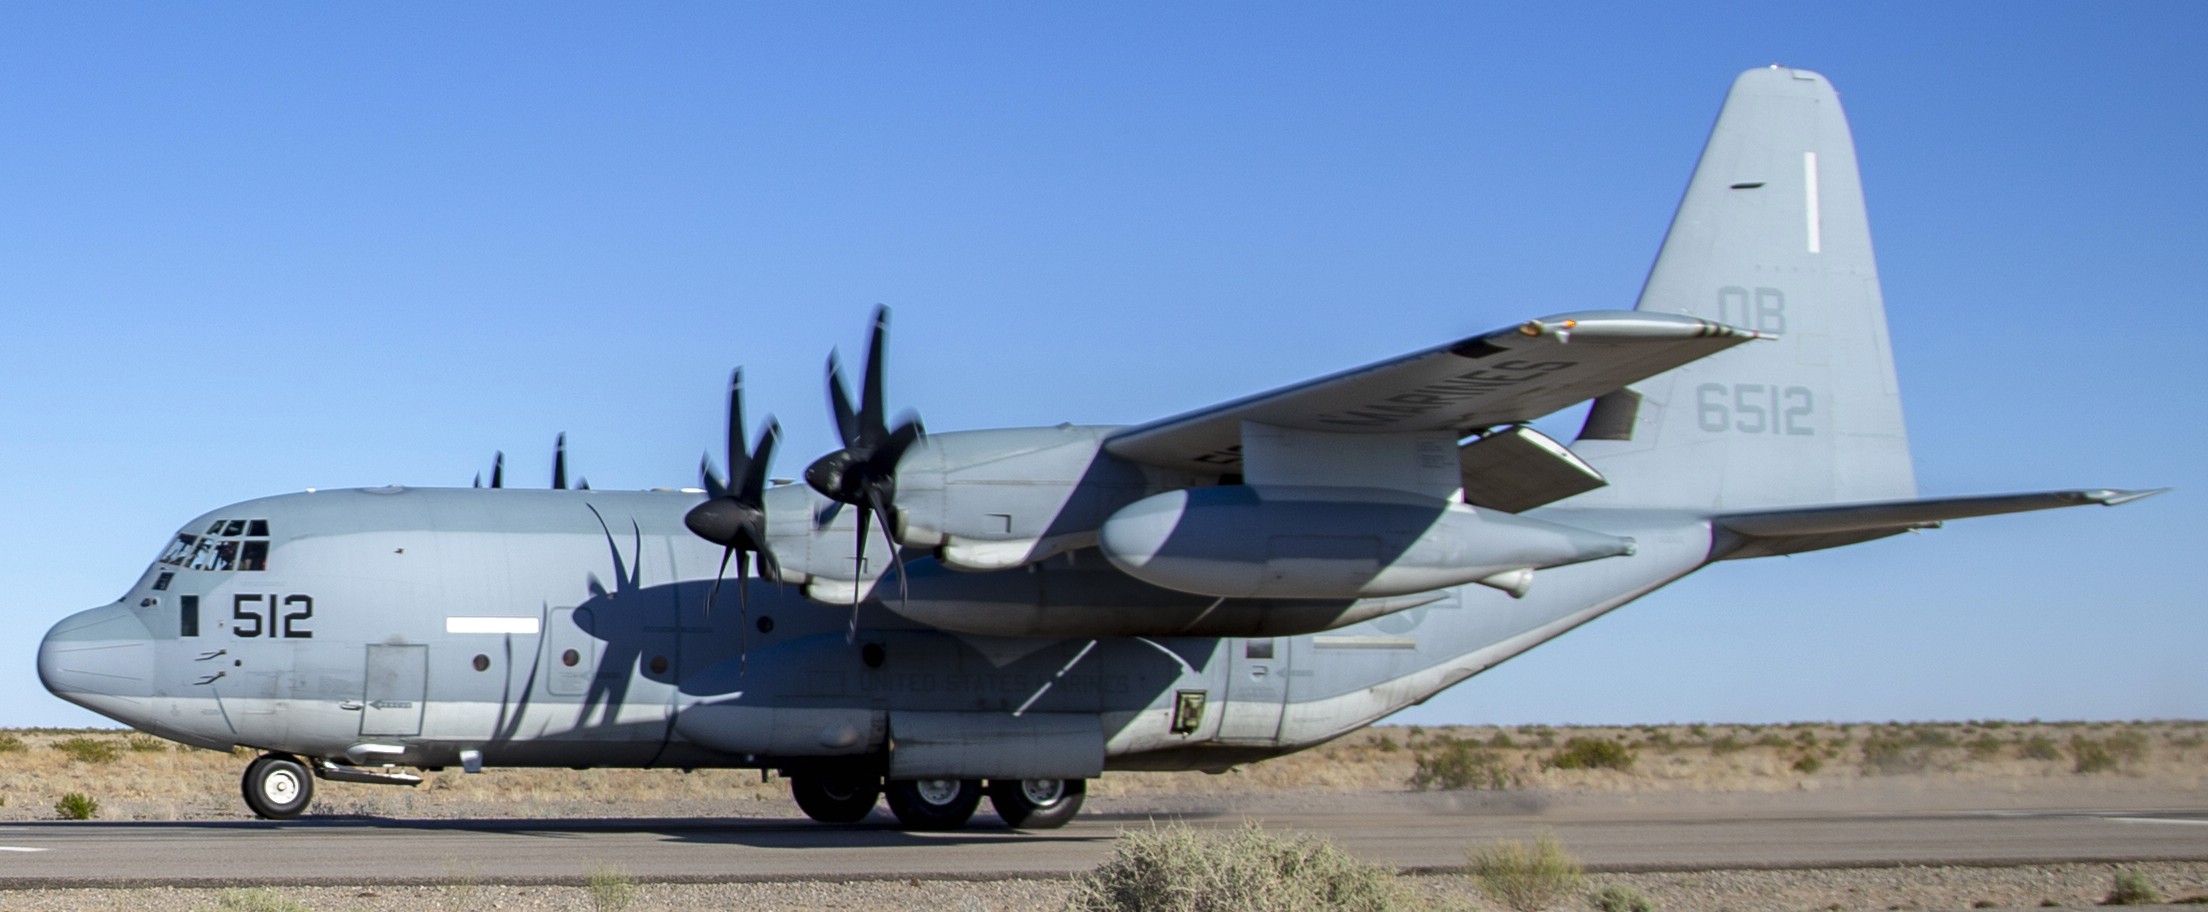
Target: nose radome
100, 659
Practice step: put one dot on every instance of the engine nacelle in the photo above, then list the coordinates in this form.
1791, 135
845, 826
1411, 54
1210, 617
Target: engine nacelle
1238, 541
998, 499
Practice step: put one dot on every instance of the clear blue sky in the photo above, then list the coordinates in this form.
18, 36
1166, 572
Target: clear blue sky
254, 248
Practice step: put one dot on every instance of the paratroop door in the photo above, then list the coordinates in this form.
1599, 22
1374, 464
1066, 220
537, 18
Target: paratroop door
398, 681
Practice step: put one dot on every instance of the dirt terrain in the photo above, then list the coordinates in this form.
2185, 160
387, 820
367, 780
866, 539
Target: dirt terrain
138, 777
1857, 768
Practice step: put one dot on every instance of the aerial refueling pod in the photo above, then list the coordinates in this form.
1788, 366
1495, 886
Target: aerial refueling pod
1241, 541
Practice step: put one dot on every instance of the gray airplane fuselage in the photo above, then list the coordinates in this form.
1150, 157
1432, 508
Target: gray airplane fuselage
570, 628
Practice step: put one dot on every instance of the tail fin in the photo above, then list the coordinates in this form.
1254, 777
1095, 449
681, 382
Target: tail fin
1771, 236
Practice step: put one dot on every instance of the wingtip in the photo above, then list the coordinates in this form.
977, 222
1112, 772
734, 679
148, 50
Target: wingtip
2114, 498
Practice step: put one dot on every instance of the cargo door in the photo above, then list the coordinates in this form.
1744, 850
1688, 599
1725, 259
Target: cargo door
398, 681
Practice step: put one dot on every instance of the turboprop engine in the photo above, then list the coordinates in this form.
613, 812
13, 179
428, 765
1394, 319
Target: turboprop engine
1256, 541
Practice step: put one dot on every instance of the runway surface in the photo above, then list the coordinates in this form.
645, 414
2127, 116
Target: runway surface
354, 850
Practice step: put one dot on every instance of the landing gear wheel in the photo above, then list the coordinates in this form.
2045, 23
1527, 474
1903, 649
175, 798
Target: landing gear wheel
934, 804
1037, 804
835, 798
278, 786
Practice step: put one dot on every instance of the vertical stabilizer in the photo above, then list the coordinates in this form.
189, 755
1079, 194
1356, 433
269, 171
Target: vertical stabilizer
1771, 236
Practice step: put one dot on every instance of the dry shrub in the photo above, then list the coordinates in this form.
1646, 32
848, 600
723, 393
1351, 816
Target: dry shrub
76, 806
89, 750
1592, 753
1178, 869
2038, 747
1527, 878
1459, 765
2132, 888
1620, 898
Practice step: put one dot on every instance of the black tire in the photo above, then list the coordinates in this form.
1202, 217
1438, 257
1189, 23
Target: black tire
833, 798
934, 804
1037, 804
278, 786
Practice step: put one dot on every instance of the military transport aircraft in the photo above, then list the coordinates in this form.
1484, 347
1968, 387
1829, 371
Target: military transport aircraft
1009, 613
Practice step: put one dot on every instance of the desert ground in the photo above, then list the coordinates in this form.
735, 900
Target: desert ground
1866, 766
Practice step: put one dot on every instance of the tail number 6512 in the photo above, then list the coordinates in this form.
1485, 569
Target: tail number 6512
1755, 408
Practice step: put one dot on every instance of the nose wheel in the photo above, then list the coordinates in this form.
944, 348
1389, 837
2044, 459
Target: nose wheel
278, 786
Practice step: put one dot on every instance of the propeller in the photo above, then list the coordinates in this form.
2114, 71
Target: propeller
498, 469
736, 518
864, 473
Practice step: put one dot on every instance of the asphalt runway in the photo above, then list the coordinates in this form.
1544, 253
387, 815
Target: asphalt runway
362, 850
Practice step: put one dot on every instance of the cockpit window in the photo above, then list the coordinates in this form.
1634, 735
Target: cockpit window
180, 549
227, 552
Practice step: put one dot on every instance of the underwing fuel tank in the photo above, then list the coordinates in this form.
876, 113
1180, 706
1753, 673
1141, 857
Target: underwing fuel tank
1238, 541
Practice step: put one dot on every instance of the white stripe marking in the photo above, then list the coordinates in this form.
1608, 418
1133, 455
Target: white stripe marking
490, 625
1809, 182
19, 849
2176, 820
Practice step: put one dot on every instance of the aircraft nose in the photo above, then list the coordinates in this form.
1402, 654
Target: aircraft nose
100, 659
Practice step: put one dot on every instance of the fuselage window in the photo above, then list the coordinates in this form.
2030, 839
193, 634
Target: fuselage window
253, 555
161, 583
187, 621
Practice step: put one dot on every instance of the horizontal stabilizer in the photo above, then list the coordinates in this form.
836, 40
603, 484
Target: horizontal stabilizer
1507, 376
1768, 532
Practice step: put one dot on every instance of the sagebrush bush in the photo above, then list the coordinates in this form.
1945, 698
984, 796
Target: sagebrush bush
2090, 756
145, 744
77, 806
1461, 765
1178, 869
89, 750
611, 890
10, 744
1620, 898
1592, 753
1527, 878
2038, 747
2132, 888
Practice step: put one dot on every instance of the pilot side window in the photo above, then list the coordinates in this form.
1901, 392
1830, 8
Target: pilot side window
181, 549
253, 555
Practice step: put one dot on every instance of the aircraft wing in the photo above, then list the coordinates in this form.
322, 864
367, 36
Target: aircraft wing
1502, 377
1764, 533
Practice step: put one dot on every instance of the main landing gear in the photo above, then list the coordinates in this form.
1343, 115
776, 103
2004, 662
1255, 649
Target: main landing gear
278, 786
938, 804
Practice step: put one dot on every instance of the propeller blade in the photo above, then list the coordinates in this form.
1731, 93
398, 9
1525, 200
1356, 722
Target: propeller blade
498, 469
582, 484
754, 485
739, 462
839, 402
714, 489
873, 427
559, 462
478, 479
